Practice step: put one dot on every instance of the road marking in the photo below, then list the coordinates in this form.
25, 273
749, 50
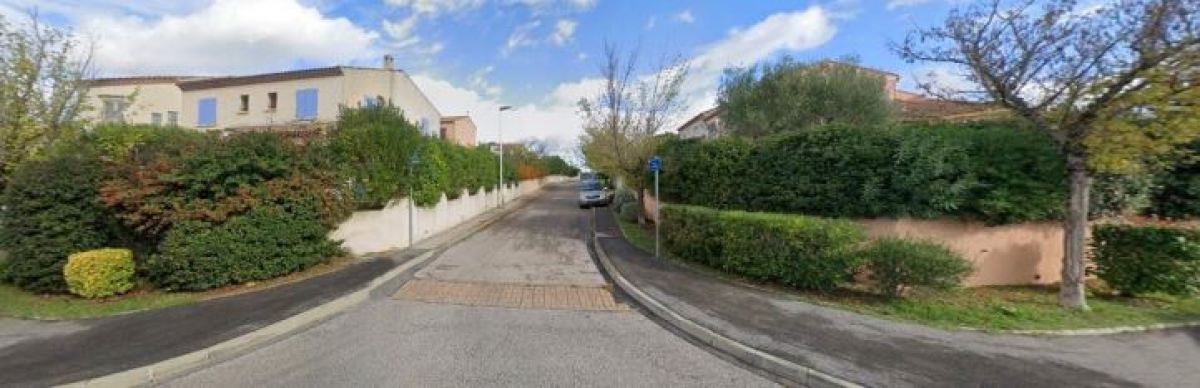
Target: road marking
517, 296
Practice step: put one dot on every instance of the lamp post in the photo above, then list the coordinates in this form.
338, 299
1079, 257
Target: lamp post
413, 161
500, 144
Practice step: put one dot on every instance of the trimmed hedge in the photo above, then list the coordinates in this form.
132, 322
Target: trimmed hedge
99, 273
799, 251
1143, 259
49, 211
999, 173
264, 243
897, 265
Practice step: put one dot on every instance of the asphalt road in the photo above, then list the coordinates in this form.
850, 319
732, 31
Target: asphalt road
392, 342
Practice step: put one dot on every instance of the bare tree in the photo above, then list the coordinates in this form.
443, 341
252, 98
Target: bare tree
42, 87
629, 110
1069, 71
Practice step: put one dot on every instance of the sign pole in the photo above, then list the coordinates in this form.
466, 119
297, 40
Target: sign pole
656, 166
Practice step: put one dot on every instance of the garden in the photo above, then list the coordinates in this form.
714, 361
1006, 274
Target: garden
120, 218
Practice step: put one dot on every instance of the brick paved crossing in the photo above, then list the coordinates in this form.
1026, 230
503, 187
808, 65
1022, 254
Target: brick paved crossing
519, 296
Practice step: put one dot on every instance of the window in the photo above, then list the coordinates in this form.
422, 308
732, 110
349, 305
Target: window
306, 104
156, 118
272, 100
172, 118
114, 109
206, 112
245, 103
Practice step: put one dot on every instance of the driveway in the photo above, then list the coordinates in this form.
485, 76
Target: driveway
518, 304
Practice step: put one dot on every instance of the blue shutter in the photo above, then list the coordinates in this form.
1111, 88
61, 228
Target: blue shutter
368, 102
306, 104
206, 112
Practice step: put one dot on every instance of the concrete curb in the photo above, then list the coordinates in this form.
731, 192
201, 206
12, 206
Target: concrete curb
797, 373
1094, 331
183, 364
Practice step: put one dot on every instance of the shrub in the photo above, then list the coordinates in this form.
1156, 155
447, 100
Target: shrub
995, 172
1143, 259
50, 211
1178, 194
99, 273
629, 211
897, 265
264, 243
799, 251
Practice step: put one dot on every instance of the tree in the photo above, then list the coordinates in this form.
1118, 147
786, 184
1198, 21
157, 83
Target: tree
630, 109
1086, 76
42, 87
790, 95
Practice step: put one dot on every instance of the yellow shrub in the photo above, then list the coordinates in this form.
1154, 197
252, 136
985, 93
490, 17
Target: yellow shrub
99, 273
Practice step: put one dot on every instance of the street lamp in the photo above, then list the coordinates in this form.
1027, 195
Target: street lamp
500, 144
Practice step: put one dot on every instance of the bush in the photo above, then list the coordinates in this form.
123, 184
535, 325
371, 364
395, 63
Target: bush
995, 172
1178, 194
51, 211
623, 196
629, 211
99, 273
264, 243
1143, 259
798, 251
897, 265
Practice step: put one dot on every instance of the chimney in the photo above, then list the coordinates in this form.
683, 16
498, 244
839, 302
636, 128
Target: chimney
389, 62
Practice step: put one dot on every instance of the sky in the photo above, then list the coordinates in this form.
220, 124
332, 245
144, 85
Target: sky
472, 56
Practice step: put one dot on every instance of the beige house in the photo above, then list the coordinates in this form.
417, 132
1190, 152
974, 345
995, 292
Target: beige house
458, 130
134, 100
310, 97
706, 125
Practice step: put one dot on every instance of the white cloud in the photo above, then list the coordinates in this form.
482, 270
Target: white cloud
433, 8
401, 32
795, 31
479, 82
651, 22
522, 36
893, 4
685, 17
228, 36
564, 31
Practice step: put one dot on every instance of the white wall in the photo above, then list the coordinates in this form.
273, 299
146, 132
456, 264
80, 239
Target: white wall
147, 99
381, 230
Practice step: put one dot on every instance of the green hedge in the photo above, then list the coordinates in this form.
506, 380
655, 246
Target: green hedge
1143, 259
50, 211
798, 251
996, 172
264, 243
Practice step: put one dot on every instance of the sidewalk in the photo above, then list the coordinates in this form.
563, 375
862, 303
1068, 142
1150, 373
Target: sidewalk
877, 352
76, 350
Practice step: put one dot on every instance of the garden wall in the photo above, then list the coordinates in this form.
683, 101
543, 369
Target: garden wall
386, 229
1027, 253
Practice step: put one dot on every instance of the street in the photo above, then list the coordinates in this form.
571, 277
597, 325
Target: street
520, 303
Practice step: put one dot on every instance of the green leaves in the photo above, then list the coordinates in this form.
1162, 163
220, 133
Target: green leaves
798, 251
897, 265
992, 172
1143, 259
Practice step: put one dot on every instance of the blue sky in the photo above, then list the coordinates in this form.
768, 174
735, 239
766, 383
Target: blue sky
471, 56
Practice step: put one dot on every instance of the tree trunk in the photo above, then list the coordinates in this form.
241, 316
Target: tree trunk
641, 213
1071, 292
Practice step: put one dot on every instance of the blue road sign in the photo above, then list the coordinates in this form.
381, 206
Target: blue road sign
655, 164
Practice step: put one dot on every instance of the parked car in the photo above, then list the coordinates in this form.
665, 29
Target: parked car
593, 193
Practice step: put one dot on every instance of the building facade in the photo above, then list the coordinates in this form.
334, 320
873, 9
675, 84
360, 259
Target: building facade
134, 100
310, 97
458, 130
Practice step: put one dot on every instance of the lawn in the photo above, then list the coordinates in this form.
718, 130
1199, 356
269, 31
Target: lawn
986, 308
17, 303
